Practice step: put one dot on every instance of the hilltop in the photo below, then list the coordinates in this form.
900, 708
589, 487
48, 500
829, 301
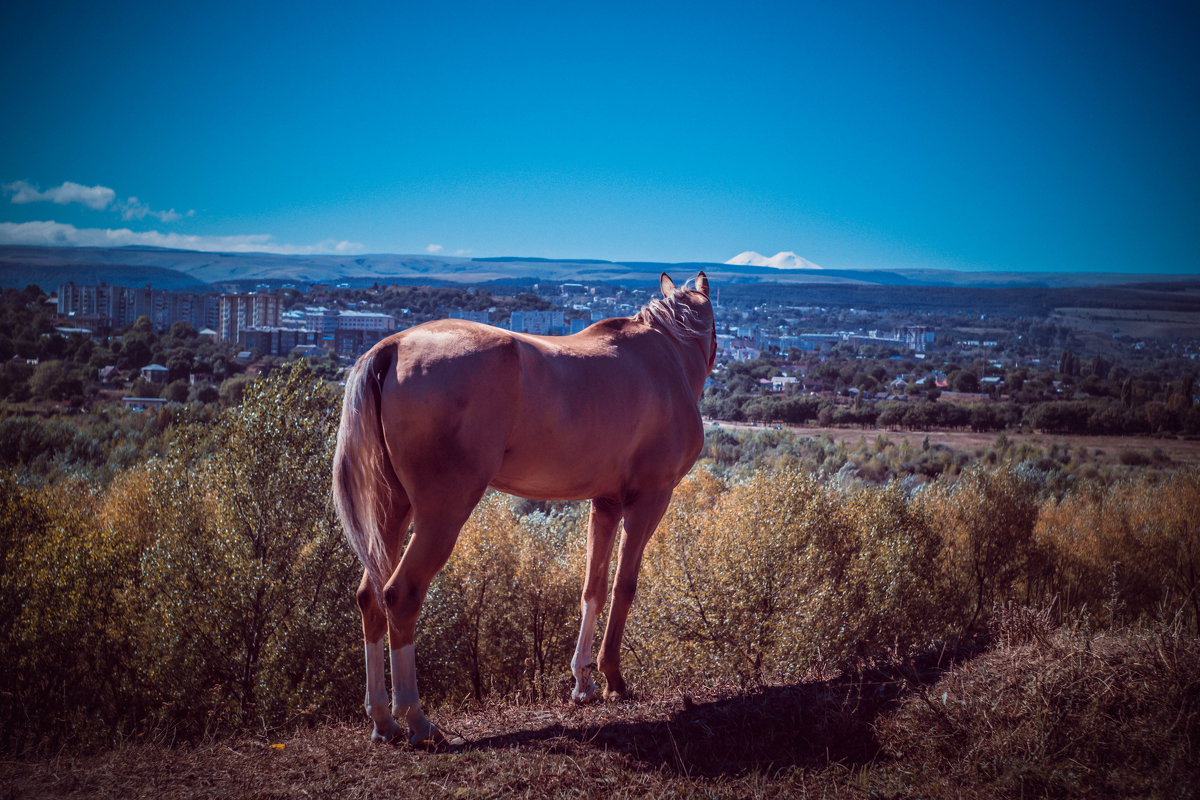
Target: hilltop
1042, 712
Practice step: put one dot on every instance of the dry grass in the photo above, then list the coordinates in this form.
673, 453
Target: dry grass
1105, 449
1137, 323
1048, 713
1062, 713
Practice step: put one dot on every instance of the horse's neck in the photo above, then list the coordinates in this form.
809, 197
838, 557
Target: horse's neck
693, 360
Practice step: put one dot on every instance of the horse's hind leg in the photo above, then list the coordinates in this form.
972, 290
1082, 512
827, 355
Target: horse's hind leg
641, 518
374, 627
602, 526
434, 535
374, 622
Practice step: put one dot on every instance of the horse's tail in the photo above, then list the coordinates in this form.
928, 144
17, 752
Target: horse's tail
363, 480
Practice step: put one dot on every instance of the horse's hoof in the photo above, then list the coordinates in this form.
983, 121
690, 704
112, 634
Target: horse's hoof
587, 695
618, 694
434, 739
387, 735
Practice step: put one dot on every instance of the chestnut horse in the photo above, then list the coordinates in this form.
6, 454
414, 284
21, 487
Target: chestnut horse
436, 414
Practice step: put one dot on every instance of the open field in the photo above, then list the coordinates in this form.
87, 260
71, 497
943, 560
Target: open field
1138, 323
1102, 448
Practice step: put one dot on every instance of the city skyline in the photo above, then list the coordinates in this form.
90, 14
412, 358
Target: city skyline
1018, 138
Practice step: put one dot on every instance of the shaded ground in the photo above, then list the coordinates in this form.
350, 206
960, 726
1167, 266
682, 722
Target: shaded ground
1043, 713
771, 741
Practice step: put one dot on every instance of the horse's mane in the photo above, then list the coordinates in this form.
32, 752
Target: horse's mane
673, 315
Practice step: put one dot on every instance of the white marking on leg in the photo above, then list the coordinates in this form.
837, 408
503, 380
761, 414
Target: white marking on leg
406, 702
581, 664
377, 697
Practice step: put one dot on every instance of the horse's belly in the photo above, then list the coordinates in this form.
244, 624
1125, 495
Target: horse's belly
549, 475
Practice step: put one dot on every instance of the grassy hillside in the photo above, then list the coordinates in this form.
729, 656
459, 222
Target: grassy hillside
1040, 712
47, 266
1001, 630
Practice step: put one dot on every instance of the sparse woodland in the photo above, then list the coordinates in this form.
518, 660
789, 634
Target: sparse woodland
203, 592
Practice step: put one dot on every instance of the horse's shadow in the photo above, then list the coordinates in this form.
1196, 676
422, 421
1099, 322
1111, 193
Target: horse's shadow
769, 729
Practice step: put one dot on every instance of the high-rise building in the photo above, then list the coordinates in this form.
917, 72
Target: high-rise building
240, 311
540, 322
103, 306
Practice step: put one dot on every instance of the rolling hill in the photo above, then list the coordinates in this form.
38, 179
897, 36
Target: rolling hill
50, 267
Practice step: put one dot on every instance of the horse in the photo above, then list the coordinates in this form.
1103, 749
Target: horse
436, 414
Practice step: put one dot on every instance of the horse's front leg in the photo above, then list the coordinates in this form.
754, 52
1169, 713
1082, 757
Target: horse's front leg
641, 518
602, 527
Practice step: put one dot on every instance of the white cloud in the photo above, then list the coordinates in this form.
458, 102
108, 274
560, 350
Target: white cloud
60, 234
133, 208
97, 197
465, 252
434, 248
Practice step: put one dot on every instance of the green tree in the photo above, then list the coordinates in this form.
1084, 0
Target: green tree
205, 393
249, 577
144, 388
1068, 364
964, 381
176, 392
55, 380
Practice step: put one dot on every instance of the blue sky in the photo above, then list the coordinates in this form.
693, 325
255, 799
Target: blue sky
1025, 136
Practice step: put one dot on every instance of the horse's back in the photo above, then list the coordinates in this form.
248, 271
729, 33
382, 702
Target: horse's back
549, 417
447, 395
600, 410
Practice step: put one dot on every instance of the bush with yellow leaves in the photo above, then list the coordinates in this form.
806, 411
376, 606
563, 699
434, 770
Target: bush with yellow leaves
67, 652
985, 522
248, 618
203, 591
499, 617
1128, 551
210, 589
771, 576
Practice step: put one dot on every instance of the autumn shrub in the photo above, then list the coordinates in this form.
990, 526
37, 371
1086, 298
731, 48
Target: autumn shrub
769, 577
247, 579
208, 588
69, 617
1127, 551
984, 521
203, 591
501, 616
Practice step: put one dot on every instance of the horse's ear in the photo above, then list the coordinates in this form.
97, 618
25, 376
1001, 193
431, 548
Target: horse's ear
702, 284
666, 284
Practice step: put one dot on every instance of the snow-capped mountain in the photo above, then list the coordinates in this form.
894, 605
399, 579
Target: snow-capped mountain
783, 260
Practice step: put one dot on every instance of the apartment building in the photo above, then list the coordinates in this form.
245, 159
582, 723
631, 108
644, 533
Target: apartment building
242, 311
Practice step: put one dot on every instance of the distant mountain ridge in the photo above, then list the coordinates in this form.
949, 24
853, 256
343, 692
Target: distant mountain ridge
50, 267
